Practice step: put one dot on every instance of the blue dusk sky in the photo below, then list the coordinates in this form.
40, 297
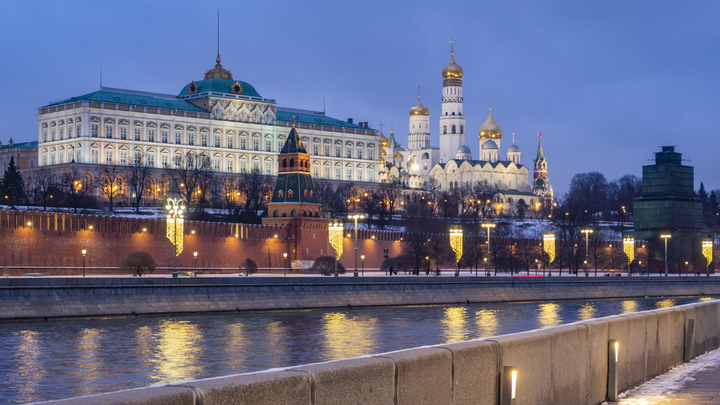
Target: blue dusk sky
606, 82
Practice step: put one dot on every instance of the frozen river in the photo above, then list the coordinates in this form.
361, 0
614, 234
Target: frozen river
62, 359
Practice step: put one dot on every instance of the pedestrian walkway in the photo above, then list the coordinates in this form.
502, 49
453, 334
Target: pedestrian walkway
696, 382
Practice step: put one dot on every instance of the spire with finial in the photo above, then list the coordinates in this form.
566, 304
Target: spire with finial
513, 138
540, 154
218, 72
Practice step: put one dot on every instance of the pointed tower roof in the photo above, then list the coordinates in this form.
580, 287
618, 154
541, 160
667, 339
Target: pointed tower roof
293, 143
540, 155
392, 141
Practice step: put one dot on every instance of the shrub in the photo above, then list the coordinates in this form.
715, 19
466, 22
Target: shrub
248, 267
325, 265
138, 263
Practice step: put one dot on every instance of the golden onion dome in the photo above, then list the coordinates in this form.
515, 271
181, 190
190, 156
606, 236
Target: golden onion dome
383, 141
419, 109
452, 70
397, 155
490, 129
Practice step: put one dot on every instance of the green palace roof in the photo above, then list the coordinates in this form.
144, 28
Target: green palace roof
316, 118
220, 86
23, 145
117, 96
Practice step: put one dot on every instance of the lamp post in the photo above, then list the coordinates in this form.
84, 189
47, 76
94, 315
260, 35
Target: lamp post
175, 221
356, 217
385, 256
666, 236
284, 264
336, 240
587, 232
488, 226
195, 256
362, 260
707, 248
84, 251
456, 242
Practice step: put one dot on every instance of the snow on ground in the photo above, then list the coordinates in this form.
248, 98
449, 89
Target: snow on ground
657, 390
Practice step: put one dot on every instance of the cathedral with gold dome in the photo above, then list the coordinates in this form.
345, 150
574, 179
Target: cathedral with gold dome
420, 165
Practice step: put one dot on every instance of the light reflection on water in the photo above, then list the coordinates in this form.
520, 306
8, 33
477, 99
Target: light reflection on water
61, 359
549, 315
454, 323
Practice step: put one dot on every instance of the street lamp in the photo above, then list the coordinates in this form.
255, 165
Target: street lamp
456, 242
385, 256
195, 255
362, 259
488, 226
84, 252
336, 240
356, 217
587, 232
666, 236
175, 221
285, 264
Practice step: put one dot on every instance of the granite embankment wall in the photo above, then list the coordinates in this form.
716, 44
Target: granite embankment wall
560, 365
33, 298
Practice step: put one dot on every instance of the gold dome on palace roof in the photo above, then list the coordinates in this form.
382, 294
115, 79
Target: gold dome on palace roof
452, 70
490, 129
383, 140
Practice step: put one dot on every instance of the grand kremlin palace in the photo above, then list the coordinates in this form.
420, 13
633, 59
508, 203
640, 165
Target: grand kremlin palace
219, 117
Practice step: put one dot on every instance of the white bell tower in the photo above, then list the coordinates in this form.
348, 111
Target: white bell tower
452, 119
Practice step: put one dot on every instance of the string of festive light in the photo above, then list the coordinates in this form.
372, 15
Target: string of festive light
336, 238
175, 223
707, 250
456, 242
629, 248
549, 246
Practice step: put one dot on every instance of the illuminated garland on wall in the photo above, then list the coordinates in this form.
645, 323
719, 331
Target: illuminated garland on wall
707, 250
549, 246
629, 248
336, 238
175, 223
456, 242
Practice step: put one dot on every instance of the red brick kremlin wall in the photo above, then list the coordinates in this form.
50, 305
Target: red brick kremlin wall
37, 242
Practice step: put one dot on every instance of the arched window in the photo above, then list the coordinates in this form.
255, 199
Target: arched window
425, 156
280, 194
462, 129
290, 194
453, 128
292, 213
444, 129
292, 162
275, 213
284, 162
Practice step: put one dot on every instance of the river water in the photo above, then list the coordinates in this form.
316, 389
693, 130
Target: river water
62, 359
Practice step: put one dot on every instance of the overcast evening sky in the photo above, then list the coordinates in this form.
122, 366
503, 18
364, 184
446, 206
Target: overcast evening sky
606, 82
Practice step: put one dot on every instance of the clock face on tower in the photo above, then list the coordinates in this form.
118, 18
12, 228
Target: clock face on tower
540, 182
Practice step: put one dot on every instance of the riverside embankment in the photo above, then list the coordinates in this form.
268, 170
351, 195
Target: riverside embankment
569, 364
46, 298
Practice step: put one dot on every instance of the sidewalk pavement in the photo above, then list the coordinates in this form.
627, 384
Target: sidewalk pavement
696, 382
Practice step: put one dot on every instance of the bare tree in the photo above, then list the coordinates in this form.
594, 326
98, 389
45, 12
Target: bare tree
253, 186
44, 188
190, 177
109, 181
139, 178
77, 190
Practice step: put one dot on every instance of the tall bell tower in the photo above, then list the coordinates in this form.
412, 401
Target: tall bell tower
452, 119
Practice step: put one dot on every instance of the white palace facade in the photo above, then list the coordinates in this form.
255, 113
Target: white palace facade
451, 165
223, 119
